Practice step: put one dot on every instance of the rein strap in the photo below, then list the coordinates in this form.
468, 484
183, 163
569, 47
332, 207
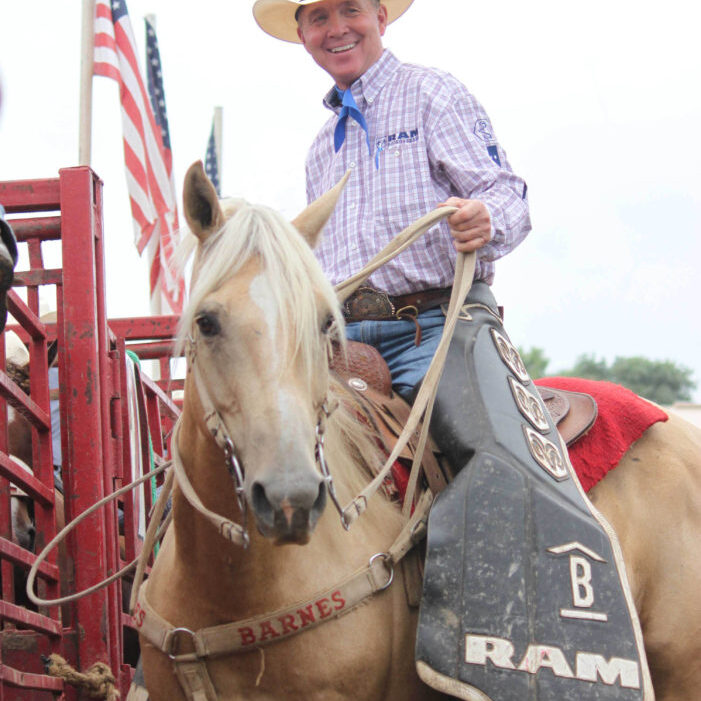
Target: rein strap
231, 531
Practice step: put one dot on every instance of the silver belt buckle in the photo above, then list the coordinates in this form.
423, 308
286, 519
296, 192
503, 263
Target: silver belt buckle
369, 303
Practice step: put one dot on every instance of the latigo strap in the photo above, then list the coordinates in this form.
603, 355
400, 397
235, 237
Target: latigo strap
525, 595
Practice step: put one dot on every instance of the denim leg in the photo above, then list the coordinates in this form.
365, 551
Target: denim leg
395, 340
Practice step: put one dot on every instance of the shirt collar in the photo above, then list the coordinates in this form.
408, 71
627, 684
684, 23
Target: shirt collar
369, 85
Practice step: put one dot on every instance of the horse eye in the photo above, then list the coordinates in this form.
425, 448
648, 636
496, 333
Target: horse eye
208, 324
327, 324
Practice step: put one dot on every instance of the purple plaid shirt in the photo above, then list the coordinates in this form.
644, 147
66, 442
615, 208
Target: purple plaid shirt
430, 140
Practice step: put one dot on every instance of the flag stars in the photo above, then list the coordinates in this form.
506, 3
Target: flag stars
155, 83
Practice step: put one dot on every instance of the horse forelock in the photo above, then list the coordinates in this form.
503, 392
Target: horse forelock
290, 271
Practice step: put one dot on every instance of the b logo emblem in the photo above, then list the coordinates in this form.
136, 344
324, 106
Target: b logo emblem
580, 575
581, 580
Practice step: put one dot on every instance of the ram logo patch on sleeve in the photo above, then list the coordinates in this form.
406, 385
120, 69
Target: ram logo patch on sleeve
483, 131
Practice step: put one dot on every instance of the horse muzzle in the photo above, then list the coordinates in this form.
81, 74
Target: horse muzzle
287, 513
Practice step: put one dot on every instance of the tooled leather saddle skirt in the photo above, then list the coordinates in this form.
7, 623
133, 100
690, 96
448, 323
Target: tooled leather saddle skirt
366, 372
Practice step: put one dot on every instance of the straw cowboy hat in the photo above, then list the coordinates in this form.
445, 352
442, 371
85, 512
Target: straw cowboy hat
277, 17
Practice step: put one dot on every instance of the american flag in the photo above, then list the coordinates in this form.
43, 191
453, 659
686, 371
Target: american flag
211, 162
147, 152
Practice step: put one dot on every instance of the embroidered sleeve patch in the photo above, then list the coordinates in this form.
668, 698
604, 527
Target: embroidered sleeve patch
483, 130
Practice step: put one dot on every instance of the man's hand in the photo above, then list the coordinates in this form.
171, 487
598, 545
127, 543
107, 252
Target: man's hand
470, 226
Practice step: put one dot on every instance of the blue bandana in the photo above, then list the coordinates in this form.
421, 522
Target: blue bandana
349, 109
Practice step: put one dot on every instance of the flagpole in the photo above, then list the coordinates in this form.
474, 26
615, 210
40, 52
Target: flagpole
86, 71
218, 119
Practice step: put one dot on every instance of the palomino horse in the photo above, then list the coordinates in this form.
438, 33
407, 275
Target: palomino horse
258, 393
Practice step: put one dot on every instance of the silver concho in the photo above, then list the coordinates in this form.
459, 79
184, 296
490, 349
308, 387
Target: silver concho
357, 383
510, 356
529, 406
546, 454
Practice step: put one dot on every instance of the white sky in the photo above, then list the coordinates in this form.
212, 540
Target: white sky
596, 104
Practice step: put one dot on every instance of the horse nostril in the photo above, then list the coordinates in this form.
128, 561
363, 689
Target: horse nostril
261, 504
318, 505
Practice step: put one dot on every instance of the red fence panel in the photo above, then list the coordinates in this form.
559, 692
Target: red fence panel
101, 448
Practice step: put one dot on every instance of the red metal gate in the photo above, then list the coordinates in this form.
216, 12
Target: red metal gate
98, 456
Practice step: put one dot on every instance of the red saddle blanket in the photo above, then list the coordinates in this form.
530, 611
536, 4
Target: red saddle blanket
622, 418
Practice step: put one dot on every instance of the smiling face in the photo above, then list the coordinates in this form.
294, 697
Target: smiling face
343, 36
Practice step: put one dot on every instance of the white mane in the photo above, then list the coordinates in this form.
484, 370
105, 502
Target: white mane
293, 274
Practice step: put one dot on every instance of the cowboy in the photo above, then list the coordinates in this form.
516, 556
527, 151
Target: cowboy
414, 138
440, 148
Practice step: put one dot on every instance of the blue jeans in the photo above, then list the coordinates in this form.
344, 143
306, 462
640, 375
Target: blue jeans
394, 340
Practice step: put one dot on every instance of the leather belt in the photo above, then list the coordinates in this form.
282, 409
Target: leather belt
367, 303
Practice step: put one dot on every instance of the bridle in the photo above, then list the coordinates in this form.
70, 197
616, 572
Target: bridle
238, 533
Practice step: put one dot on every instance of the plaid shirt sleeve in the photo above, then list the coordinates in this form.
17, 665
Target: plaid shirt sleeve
466, 155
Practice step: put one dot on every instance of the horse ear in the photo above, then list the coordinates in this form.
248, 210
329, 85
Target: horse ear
200, 203
311, 221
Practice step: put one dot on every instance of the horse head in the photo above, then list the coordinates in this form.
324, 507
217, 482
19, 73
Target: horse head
258, 330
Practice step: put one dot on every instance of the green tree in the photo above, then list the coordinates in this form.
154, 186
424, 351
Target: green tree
660, 381
588, 367
535, 361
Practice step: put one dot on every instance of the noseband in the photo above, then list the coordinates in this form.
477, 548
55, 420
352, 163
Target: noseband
234, 532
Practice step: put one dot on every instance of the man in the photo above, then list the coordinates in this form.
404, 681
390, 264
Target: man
414, 138
439, 149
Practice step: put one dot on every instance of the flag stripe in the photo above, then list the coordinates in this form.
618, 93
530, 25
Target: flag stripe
147, 155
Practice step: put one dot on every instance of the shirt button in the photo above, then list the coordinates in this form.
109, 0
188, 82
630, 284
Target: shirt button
352, 205
370, 99
351, 164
